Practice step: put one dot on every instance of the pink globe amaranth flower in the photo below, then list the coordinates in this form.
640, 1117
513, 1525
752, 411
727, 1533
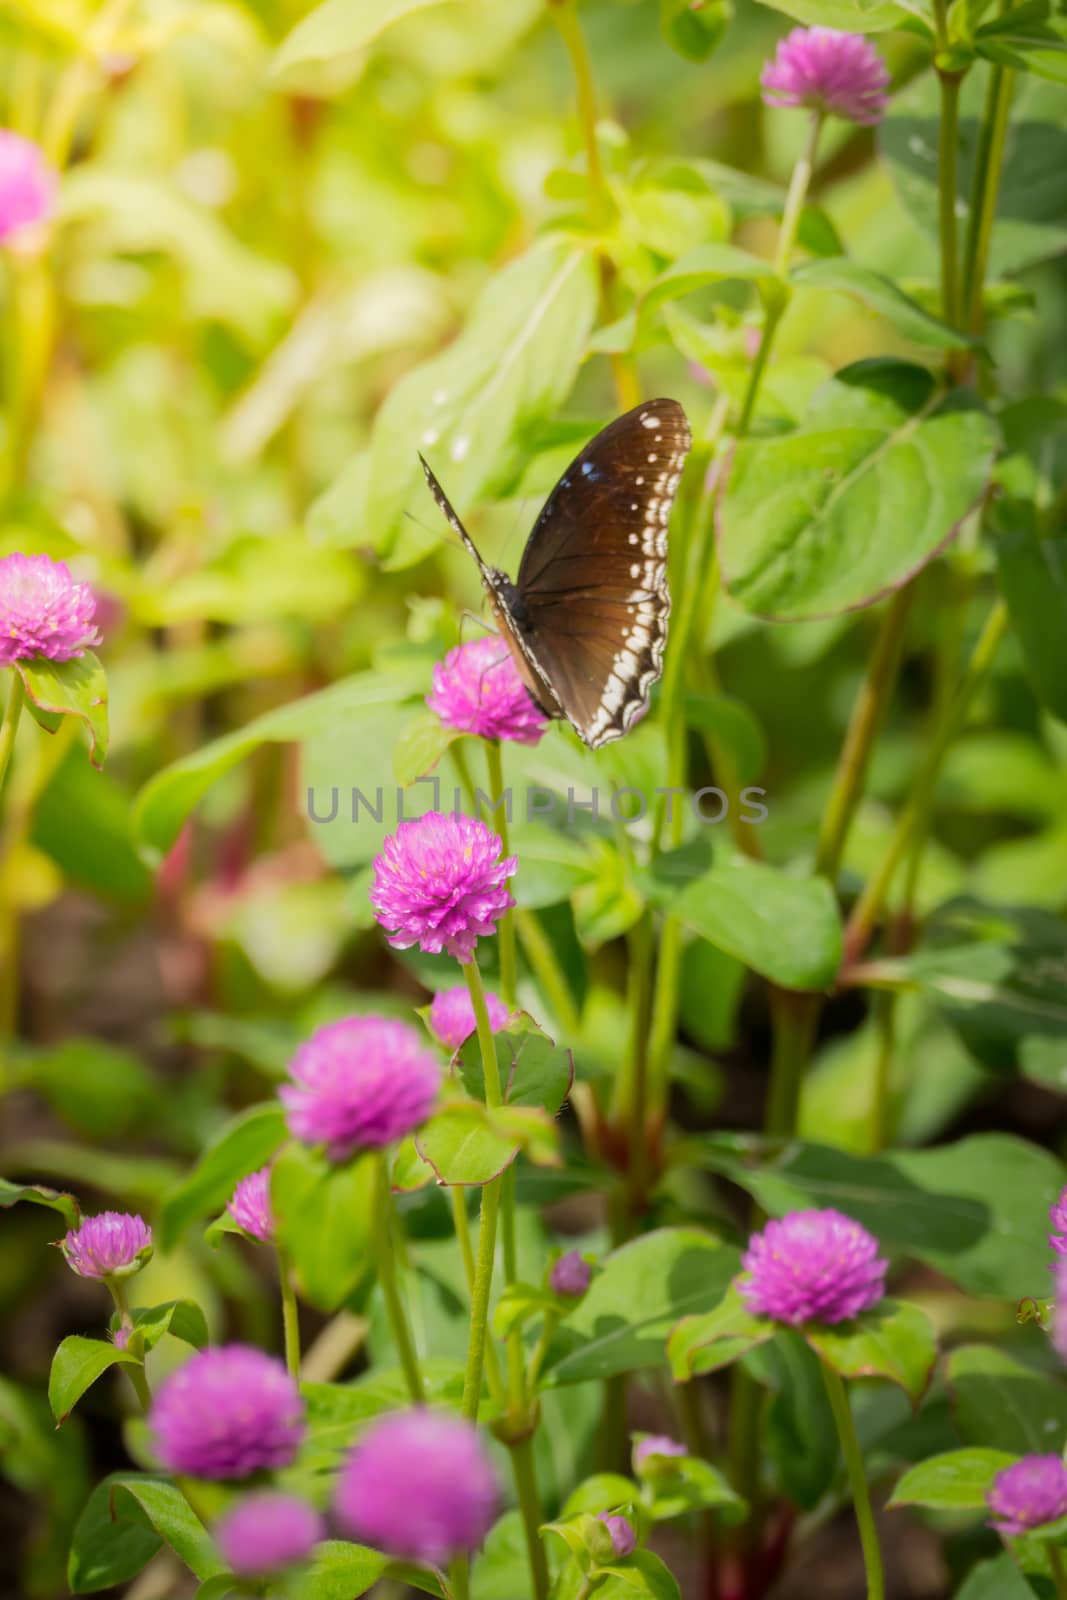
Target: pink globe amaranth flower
1059, 1307
571, 1275
249, 1205
1058, 1217
230, 1411
1028, 1493
477, 689
360, 1083
43, 612
27, 184
107, 1245
419, 1486
440, 882
840, 74
623, 1537
657, 1447
452, 1015
266, 1532
812, 1266
121, 1338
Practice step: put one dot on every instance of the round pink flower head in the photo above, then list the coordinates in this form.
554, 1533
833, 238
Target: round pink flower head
1058, 1218
623, 1538
440, 883
452, 1015
266, 1532
111, 1244
477, 689
656, 1451
419, 1486
27, 184
360, 1083
1028, 1493
43, 612
1059, 1307
571, 1275
812, 1266
230, 1411
838, 74
249, 1205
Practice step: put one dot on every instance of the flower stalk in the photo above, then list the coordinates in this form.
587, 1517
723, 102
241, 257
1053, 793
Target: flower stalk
385, 1249
857, 1477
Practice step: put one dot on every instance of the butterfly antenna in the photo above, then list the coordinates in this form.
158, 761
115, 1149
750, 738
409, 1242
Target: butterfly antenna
450, 515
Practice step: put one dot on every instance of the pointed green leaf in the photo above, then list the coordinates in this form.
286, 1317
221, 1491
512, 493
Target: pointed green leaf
956, 1481
76, 1365
76, 688
894, 1340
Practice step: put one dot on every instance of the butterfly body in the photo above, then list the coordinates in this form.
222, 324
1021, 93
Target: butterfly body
586, 619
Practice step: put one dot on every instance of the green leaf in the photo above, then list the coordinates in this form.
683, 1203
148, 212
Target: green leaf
468, 1144
324, 1213
692, 1484
38, 1195
788, 929
470, 409
999, 1579
340, 28
640, 1292
1034, 225
640, 1574
168, 798
420, 745
99, 1089
182, 1319
76, 1365
339, 1571
1033, 579
976, 1210
997, 1401
700, 268
955, 1481
77, 688
694, 30
502, 1568
717, 1338
799, 1430
851, 16
838, 275
127, 1518
1027, 37
856, 500
246, 1143
894, 1340
534, 1070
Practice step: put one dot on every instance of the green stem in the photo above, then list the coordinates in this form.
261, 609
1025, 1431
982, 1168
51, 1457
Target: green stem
461, 1223
868, 715
947, 162
989, 163
913, 818
385, 1253
494, 1094
551, 978
884, 1009
857, 1477
137, 1375
1059, 1572
795, 1016
9, 727
582, 66
495, 765
290, 1314
483, 1283
522, 1464
632, 1099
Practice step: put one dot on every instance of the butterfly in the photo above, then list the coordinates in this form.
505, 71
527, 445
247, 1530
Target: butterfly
586, 619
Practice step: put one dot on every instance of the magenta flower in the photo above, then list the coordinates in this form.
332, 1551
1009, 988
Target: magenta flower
249, 1205
419, 1486
452, 1015
27, 184
571, 1275
266, 1532
1059, 1307
230, 1411
108, 1245
1058, 1218
361, 1083
440, 883
477, 689
657, 1447
623, 1538
43, 612
812, 1266
1028, 1493
837, 74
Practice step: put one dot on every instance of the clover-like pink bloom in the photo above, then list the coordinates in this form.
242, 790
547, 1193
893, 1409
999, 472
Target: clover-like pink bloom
620, 1530
267, 1532
477, 689
43, 612
452, 1015
249, 1205
812, 1266
1027, 1494
838, 74
657, 1445
230, 1411
419, 1486
441, 882
570, 1276
107, 1245
359, 1084
27, 184
1058, 1218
